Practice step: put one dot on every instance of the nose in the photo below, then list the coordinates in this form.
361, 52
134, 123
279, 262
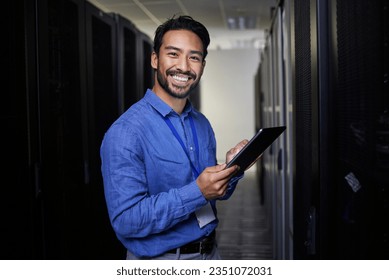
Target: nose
183, 64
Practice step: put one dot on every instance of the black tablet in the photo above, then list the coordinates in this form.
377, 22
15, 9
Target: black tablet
255, 147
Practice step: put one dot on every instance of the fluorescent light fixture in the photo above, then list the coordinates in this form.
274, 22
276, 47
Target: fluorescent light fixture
241, 22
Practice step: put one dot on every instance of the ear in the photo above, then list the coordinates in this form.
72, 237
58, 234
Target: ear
202, 67
154, 60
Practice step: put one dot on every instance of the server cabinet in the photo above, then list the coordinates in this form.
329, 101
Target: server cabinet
146, 73
360, 190
46, 216
273, 111
278, 149
336, 84
258, 96
127, 68
267, 181
62, 95
265, 79
103, 107
341, 103
306, 184
21, 201
61, 90
287, 39
135, 74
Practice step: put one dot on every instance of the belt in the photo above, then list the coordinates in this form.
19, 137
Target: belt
204, 246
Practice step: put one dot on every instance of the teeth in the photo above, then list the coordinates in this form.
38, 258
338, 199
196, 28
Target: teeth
180, 78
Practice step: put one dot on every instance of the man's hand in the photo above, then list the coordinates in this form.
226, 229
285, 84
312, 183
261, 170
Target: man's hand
213, 181
235, 150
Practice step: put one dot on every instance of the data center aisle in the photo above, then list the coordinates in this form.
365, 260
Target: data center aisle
243, 232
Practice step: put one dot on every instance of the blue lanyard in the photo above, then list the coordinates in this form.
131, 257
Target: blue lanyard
175, 133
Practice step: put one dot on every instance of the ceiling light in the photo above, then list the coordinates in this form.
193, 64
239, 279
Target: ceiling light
241, 22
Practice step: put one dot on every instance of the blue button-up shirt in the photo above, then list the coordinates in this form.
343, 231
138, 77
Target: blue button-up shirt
150, 189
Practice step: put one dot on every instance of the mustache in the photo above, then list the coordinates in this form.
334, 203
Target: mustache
177, 72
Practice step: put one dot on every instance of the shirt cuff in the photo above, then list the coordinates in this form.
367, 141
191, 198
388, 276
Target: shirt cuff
191, 196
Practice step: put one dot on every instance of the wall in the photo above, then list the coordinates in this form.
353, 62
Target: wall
227, 96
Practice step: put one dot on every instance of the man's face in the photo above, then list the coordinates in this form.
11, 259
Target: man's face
180, 62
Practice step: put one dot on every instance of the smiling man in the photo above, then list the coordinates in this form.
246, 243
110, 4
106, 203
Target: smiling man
184, 67
161, 178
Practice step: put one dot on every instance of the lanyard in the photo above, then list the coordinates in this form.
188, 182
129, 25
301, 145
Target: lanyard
175, 133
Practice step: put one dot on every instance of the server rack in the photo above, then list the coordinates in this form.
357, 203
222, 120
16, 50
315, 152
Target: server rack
265, 78
289, 154
278, 149
21, 226
306, 125
103, 108
338, 68
258, 98
273, 173
128, 76
145, 70
360, 104
63, 94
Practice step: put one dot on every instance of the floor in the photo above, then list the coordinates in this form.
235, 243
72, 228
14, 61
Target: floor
244, 232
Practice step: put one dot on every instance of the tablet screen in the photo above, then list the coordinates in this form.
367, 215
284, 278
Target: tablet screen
255, 147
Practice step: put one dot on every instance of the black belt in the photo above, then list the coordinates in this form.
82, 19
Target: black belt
204, 246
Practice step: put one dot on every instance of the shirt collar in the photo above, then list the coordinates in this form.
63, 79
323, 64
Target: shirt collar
160, 106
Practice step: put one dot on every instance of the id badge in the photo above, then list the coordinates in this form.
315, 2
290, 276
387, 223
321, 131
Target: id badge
205, 215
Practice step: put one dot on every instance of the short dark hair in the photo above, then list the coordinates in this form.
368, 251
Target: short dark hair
182, 23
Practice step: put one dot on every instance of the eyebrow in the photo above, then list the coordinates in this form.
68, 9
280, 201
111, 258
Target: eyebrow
180, 50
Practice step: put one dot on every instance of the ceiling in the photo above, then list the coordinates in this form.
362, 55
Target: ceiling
232, 24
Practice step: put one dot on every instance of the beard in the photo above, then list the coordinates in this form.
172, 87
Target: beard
176, 91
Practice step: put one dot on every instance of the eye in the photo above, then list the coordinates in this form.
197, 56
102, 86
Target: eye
172, 54
195, 58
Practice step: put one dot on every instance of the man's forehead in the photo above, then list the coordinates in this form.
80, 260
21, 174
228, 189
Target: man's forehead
182, 41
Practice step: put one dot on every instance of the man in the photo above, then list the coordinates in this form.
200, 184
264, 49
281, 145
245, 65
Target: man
159, 166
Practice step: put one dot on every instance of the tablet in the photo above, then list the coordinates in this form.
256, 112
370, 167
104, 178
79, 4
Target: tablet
255, 147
